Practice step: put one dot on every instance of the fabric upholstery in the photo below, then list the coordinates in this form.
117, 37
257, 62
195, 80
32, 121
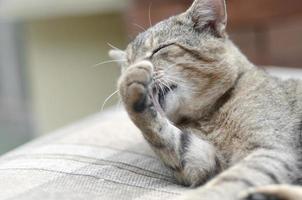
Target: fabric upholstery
103, 157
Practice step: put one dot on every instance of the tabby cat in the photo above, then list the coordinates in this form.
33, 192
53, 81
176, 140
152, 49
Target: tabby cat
216, 120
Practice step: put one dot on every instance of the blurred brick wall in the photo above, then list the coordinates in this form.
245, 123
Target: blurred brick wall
267, 31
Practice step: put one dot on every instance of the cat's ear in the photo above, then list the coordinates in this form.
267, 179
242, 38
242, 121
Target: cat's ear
118, 55
209, 14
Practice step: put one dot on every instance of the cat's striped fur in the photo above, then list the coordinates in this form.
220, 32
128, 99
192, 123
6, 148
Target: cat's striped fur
216, 120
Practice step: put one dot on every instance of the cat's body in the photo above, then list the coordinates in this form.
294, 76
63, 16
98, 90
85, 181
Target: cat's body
210, 115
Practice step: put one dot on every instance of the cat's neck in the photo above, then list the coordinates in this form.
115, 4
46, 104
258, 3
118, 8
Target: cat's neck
238, 59
242, 66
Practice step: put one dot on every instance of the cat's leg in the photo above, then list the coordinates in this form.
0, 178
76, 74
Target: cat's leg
192, 159
274, 192
261, 168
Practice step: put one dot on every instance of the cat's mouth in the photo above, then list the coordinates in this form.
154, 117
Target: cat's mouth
159, 96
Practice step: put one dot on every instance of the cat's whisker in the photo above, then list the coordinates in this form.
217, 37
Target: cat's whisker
167, 85
181, 85
150, 20
169, 80
175, 79
161, 87
113, 47
164, 84
175, 76
177, 83
139, 26
107, 62
108, 98
163, 90
158, 75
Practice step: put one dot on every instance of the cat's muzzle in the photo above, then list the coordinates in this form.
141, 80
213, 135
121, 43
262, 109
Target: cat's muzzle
159, 95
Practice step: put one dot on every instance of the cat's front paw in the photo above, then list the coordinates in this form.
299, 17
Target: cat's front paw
134, 86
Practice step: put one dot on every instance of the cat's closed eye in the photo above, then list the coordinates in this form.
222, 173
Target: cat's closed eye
161, 47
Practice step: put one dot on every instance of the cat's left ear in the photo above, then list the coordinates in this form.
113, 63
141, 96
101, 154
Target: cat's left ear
118, 55
209, 14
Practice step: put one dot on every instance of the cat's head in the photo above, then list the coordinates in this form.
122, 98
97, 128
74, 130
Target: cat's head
192, 56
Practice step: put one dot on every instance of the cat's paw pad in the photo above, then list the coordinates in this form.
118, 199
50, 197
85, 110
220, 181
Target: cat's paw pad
140, 73
135, 85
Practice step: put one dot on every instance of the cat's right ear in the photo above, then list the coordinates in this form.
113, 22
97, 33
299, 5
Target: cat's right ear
209, 14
